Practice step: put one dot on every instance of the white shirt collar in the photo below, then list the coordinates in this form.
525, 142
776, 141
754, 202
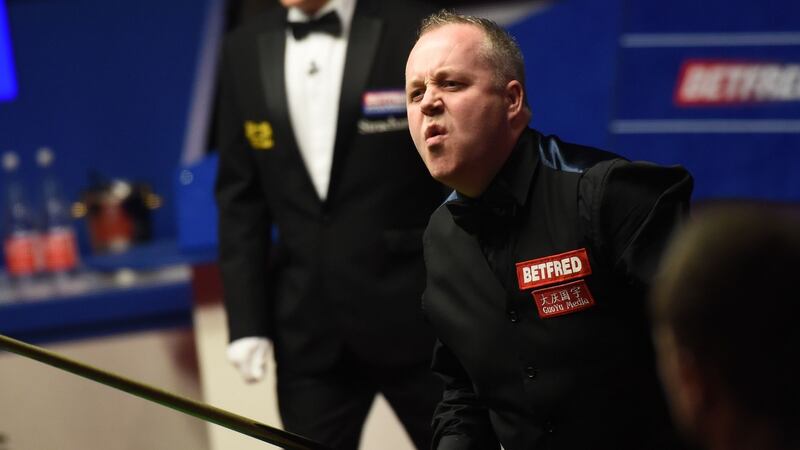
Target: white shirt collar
344, 8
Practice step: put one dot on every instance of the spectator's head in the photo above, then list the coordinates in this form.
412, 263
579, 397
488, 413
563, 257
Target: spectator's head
466, 99
725, 310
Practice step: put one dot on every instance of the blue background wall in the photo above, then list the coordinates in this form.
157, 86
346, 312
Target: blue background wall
590, 82
570, 51
107, 84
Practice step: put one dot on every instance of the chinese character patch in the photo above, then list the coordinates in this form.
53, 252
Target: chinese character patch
563, 299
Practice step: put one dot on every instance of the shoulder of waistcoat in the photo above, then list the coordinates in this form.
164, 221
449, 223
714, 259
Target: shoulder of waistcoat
564, 156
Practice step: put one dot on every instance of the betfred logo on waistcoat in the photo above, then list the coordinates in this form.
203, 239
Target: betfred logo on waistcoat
726, 82
553, 269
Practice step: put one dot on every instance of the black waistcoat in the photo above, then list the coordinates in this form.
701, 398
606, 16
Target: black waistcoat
581, 380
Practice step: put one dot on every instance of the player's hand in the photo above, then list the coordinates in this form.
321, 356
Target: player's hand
249, 356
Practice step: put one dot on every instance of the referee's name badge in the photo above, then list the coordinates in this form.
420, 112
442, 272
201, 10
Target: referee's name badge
563, 299
384, 102
553, 269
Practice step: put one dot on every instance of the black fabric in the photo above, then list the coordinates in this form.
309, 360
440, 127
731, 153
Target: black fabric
330, 407
580, 381
493, 216
476, 215
327, 23
488, 219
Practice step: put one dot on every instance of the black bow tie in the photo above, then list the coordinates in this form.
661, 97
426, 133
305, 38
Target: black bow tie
479, 215
328, 23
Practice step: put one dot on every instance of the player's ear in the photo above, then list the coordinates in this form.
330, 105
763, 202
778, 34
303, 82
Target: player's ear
515, 98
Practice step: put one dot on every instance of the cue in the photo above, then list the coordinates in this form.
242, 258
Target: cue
200, 410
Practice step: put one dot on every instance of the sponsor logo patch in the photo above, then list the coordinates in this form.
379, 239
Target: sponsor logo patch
259, 134
384, 103
553, 269
727, 82
563, 299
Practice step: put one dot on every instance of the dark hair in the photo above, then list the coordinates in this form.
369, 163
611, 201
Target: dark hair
726, 290
501, 49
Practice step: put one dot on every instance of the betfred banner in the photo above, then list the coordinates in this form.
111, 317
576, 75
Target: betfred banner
722, 82
713, 88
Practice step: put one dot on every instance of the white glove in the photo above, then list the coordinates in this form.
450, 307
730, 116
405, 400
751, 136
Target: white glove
249, 356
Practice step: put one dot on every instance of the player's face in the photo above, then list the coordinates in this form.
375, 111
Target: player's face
456, 110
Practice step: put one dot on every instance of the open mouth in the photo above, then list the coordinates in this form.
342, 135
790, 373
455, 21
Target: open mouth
434, 134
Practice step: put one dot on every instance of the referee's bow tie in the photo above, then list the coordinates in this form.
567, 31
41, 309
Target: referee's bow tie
328, 23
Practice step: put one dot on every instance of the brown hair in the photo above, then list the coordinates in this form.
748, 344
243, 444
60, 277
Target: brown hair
726, 291
501, 49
